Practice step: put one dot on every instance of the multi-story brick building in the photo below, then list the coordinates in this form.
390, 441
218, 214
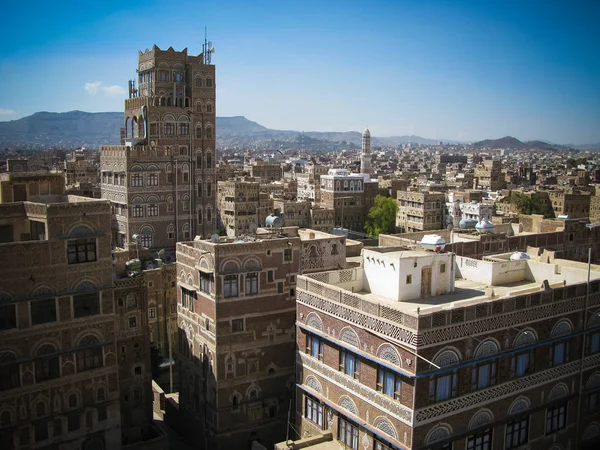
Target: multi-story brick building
397, 354
294, 213
74, 349
420, 211
82, 167
488, 175
322, 219
236, 327
350, 195
574, 205
267, 172
239, 206
162, 181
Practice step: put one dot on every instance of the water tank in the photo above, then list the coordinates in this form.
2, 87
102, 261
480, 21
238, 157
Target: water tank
433, 242
274, 221
467, 223
517, 256
484, 225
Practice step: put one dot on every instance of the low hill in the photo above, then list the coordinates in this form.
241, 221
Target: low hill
505, 142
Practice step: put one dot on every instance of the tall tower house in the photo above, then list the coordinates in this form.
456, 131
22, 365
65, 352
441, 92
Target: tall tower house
365, 155
161, 179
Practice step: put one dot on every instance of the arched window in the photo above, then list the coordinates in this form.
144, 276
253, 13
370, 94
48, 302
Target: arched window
89, 355
209, 107
198, 81
100, 394
73, 401
40, 410
146, 233
209, 132
198, 131
208, 214
209, 160
47, 364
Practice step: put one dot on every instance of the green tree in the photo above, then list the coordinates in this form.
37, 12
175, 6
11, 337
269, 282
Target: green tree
382, 216
528, 204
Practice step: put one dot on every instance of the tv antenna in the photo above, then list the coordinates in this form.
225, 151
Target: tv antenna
207, 49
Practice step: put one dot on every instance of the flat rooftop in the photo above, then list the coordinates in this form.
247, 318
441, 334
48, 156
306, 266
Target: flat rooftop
475, 281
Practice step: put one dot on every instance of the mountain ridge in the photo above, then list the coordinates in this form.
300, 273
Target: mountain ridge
81, 128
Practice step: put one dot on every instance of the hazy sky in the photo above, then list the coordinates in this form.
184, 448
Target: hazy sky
438, 69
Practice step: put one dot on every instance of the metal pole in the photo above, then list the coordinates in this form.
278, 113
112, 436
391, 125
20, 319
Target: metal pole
170, 358
583, 343
287, 428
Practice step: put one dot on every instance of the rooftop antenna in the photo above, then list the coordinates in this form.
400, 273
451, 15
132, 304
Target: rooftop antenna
207, 49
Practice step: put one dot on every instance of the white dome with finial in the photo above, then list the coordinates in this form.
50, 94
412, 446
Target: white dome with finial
366, 132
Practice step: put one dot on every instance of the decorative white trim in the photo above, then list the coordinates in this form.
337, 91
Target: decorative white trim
385, 404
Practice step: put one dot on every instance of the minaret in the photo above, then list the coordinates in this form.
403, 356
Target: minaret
365, 156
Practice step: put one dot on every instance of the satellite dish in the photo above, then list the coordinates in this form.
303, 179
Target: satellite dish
161, 254
215, 238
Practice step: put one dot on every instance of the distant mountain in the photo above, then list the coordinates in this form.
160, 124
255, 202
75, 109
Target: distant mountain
505, 142
73, 128
78, 128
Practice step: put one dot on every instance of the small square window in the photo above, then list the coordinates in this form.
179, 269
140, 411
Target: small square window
132, 322
280, 287
292, 292
137, 370
442, 268
292, 278
408, 279
270, 276
237, 325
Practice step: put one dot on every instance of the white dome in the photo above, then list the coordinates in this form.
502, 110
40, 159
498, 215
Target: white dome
366, 132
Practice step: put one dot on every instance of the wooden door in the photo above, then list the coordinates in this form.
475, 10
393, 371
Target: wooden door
426, 282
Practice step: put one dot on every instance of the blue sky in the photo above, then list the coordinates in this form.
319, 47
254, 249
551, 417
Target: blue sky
464, 70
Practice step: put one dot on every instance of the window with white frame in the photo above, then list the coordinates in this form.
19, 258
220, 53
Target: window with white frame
138, 210
313, 410
137, 180
152, 179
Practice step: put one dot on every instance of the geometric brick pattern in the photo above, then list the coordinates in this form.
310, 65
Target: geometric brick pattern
358, 390
438, 411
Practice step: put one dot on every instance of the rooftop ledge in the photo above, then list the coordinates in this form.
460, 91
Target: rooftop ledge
476, 282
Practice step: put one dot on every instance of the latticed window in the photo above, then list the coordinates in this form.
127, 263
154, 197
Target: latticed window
81, 251
183, 129
480, 440
89, 355
517, 433
208, 160
152, 210
169, 129
146, 240
138, 211
152, 179
137, 180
